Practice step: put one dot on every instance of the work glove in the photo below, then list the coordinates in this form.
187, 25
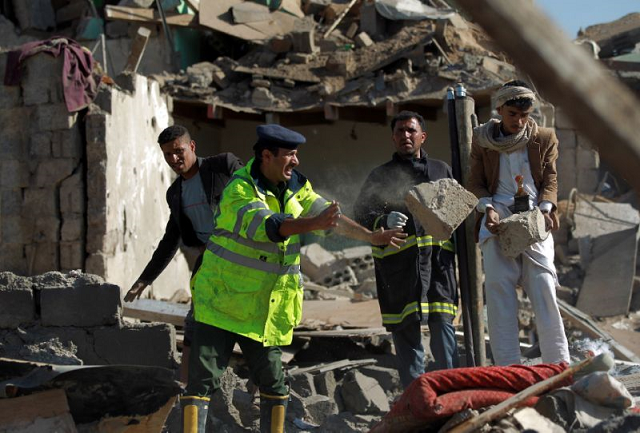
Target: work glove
396, 220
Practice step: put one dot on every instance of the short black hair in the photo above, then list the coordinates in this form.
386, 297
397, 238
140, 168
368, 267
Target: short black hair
172, 132
257, 151
519, 103
406, 115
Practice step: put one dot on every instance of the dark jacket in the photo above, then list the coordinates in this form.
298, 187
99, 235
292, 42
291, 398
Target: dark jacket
215, 172
418, 280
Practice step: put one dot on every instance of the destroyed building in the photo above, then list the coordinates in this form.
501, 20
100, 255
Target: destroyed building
82, 191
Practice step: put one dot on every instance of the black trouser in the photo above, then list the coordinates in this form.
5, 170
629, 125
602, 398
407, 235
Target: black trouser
211, 349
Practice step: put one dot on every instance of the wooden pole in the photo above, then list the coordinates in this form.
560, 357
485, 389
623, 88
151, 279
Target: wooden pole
602, 108
339, 19
137, 50
465, 117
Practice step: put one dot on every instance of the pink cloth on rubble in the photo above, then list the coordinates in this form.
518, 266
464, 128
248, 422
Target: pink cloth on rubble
79, 84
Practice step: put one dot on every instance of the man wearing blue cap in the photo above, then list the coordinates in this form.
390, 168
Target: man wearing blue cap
249, 289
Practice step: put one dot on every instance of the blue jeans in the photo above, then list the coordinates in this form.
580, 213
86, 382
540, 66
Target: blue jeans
410, 351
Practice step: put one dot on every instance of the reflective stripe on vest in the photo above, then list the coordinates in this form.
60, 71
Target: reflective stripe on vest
256, 221
248, 262
267, 247
422, 241
243, 210
425, 307
318, 206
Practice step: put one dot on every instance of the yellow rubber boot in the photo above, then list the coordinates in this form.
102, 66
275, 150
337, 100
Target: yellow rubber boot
194, 413
273, 409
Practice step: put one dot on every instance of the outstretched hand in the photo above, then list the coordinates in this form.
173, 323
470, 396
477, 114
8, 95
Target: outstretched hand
135, 291
328, 218
393, 237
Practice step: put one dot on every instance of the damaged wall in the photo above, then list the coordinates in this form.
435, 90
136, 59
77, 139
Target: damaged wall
128, 178
67, 201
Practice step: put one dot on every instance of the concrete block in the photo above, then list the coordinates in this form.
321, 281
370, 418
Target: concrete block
50, 172
82, 305
14, 229
34, 14
303, 384
12, 257
17, 306
13, 174
562, 121
137, 344
587, 180
363, 40
54, 117
40, 201
521, 230
367, 289
340, 63
362, 394
71, 256
327, 385
72, 228
72, 198
42, 81
387, 378
319, 407
608, 283
10, 202
40, 145
370, 21
104, 98
280, 44
262, 97
44, 256
10, 96
440, 206
44, 229
78, 338
14, 124
67, 144
303, 41
300, 58
586, 159
201, 74
315, 261
344, 275
567, 139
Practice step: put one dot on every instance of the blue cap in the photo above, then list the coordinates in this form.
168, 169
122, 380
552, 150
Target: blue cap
273, 135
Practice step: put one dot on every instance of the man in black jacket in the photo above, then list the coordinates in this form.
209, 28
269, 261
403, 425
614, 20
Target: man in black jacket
193, 198
416, 283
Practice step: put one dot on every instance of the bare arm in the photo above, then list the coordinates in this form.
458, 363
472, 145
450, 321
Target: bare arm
326, 220
351, 229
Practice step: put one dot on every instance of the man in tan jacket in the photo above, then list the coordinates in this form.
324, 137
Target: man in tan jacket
502, 150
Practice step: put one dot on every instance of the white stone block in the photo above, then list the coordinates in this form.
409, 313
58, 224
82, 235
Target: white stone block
440, 206
519, 231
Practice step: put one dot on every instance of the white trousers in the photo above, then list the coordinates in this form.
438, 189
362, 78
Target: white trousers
535, 271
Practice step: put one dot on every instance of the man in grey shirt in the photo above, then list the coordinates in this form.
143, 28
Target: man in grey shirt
192, 198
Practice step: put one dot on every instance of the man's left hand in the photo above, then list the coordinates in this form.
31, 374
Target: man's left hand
393, 237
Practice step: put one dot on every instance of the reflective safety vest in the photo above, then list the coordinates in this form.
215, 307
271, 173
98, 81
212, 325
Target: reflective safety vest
247, 283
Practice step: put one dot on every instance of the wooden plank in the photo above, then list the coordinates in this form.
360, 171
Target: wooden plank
137, 50
586, 324
47, 404
152, 310
124, 13
343, 363
604, 109
194, 5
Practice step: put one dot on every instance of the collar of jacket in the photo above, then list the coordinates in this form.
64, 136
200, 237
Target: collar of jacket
422, 158
294, 184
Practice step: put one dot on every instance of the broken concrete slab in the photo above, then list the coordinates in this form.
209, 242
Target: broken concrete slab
17, 306
316, 262
440, 206
521, 230
83, 305
607, 235
249, 12
362, 394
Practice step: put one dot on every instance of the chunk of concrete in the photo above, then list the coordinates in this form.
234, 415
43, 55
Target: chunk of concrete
303, 384
137, 344
363, 40
521, 230
388, 378
262, 97
316, 262
607, 235
17, 305
319, 407
304, 41
362, 394
440, 206
80, 305
341, 63
201, 74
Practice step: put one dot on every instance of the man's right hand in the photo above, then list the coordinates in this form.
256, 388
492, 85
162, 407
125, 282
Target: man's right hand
135, 291
396, 220
493, 221
328, 218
